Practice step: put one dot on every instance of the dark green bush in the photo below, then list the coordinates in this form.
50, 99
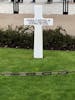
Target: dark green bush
56, 40
23, 37
16, 38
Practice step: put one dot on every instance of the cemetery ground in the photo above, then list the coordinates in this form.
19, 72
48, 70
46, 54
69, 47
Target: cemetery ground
66, 22
51, 87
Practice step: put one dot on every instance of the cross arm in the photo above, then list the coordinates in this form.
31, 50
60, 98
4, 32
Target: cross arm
28, 21
40, 21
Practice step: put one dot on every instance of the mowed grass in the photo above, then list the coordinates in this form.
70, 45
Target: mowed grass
21, 60
54, 87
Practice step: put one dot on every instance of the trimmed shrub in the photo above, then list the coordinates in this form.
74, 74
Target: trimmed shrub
23, 37
17, 38
56, 40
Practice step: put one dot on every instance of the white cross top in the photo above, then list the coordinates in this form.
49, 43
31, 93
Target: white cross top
38, 21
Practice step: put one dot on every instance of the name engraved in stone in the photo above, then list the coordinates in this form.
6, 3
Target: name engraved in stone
38, 21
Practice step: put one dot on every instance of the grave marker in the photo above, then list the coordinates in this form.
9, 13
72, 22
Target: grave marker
38, 21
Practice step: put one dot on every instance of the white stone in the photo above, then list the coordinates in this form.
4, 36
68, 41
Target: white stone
9, 0
38, 21
27, 7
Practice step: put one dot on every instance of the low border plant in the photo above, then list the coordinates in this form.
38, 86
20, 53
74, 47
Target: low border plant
23, 37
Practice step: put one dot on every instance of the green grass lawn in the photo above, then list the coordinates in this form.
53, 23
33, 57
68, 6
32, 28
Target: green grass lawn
55, 87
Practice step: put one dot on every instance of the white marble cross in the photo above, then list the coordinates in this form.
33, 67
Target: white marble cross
9, 0
38, 21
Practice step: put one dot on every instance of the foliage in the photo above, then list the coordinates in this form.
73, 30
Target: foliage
58, 40
22, 37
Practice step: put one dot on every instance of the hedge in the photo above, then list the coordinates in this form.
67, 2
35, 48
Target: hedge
23, 37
